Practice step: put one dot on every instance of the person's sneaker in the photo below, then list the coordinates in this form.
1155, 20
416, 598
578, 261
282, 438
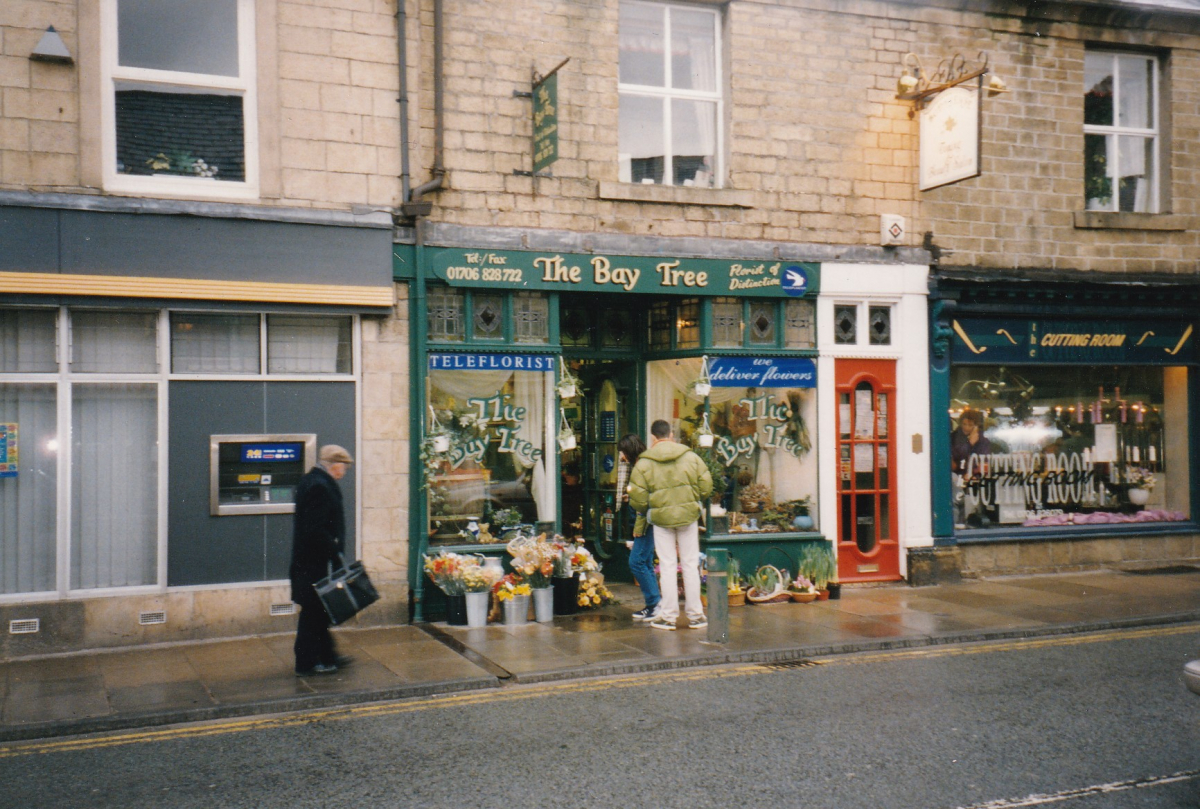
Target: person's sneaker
662, 623
320, 668
646, 614
697, 623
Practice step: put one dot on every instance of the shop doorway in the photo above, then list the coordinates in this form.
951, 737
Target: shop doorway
605, 409
868, 544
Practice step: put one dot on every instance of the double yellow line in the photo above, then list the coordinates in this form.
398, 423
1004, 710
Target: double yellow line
540, 691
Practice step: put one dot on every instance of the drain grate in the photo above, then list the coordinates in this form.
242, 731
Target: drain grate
24, 626
1171, 570
784, 665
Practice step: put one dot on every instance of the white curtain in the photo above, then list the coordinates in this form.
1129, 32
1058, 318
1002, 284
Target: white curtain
29, 500
114, 485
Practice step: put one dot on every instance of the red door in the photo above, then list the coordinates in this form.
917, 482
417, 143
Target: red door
868, 546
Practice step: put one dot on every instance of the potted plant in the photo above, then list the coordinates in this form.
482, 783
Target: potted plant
800, 519
737, 593
702, 385
802, 590
767, 586
438, 438
1141, 481
754, 497
566, 435
817, 565
568, 384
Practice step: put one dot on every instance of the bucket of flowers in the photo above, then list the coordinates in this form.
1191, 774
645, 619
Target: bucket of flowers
592, 592
513, 593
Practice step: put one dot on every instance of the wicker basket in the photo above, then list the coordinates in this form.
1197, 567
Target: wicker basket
737, 599
753, 597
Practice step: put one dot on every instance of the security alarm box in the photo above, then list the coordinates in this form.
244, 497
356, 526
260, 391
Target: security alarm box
257, 474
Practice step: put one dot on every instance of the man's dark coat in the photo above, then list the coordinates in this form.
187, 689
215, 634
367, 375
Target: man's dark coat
318, 534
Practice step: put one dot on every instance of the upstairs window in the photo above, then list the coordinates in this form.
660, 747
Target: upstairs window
179, 101
669, 130
1120, 132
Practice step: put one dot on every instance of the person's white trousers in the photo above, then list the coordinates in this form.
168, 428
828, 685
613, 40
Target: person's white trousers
678, 548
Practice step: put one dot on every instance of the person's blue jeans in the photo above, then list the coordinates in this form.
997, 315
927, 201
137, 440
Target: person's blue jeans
641, 565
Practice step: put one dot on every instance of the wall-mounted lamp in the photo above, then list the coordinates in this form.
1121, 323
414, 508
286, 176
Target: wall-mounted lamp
51, 48
910, 79
996, 85
915, 84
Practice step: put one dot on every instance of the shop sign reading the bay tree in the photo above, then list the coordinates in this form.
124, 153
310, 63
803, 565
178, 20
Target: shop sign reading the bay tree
585, 272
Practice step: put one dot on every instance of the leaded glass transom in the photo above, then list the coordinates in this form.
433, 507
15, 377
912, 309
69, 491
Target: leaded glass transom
445, 314
487, 316
660, 326
762, 323
880, 330
845, 325
573, 326
689, 324
531, 312
727, 322
618, 329
799, 331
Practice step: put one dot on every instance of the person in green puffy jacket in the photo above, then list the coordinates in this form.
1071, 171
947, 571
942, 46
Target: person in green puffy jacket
668, 484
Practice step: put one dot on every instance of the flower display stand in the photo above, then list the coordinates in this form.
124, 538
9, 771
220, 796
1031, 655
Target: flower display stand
456, 610
566, 595
516, 610
543, 604
477, 609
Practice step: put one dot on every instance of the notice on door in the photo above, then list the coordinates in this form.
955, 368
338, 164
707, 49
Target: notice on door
864, 457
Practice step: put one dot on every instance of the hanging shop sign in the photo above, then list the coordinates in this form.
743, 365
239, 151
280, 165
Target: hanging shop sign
545, 121
950, 138
587, 272
462, 361
1088, 342
8, 450
762, 372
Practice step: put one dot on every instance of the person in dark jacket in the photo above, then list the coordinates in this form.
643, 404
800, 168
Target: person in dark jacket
318, 536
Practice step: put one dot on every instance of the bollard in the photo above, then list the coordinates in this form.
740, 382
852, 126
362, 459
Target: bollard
718, 595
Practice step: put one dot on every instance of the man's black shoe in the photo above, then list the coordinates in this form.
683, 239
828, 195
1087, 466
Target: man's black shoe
343, 661
320, 668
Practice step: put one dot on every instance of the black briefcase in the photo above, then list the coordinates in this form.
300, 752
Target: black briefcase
345, 592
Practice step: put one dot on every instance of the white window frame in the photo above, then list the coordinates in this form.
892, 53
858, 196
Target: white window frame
244, 85
666, 93
1155, 173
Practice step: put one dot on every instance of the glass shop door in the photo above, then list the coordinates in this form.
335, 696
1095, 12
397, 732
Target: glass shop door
600, 414
868, 541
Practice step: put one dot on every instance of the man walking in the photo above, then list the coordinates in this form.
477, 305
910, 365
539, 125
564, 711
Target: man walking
318, 536
668, 484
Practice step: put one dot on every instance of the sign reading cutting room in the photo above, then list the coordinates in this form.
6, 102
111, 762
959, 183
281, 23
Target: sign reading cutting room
580, 272
1015, 340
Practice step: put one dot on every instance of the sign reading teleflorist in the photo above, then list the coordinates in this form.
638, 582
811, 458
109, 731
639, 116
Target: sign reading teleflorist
586, 272
762, 372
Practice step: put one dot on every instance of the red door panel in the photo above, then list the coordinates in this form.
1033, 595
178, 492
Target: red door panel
867, 537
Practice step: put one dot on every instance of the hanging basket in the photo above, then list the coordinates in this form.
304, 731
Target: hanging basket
441, 443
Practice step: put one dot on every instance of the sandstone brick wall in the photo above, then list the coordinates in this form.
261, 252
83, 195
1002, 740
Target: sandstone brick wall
328, 86
817, 144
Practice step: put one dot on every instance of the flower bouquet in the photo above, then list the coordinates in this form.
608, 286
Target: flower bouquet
1139, 477
509, 587
593, 593
533, 559
476, 578
445, 569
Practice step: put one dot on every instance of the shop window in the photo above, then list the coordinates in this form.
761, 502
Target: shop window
687, 332
531, 315
762, 460
1120, 125
180, 111
800, 329
762, 323
214, 344
445, 309
575, 326
661, 326
670, 105
498, 465
28, 487
880, 325
28, 341
114, 485
487, 316
845, 325
727, 322
1056, 446
300, 344
114, 342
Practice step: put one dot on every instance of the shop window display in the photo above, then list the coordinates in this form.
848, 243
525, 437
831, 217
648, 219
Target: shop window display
1054, 446
493, 467
762, 460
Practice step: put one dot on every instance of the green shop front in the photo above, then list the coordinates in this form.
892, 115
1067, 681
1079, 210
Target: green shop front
531, 365
1069, 415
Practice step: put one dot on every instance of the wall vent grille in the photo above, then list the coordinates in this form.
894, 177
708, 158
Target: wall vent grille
156, 617
283, 609
24, 626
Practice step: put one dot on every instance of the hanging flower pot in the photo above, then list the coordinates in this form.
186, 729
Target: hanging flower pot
441, 443
705, 439
702, 387
566, 390
568, 384
566, 440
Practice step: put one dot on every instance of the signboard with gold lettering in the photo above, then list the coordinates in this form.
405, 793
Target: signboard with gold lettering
1010, 340
545, 122
586, 272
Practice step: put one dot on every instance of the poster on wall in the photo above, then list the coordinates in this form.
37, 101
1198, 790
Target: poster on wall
8, 450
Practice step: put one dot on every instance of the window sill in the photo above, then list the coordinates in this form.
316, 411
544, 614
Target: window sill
1113, 220
675, 195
